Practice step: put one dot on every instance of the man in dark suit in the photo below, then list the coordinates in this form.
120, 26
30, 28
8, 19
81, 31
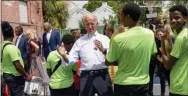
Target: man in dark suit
21, 42
51, 38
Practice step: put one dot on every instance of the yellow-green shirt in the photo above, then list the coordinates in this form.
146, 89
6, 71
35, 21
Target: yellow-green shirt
63, 76
132, 50
10, 54
179, 72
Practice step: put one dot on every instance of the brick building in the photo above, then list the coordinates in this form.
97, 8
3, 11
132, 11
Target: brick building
25, 13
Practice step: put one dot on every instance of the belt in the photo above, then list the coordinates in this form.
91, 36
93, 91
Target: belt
92, 72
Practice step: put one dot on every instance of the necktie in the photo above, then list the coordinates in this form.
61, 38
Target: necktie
17, 41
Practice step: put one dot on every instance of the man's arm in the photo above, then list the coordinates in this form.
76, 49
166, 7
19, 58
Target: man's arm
100, 46
15, 59
104, 51
113, 54
48, 64
168, 60
73, 54
21, 70
68, 60
65, 56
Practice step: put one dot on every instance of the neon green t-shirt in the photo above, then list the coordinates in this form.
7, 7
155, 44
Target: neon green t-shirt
132, 50
63, 76
10, 54
179, 72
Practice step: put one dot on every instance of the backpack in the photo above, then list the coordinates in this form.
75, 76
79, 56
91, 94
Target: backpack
3, 49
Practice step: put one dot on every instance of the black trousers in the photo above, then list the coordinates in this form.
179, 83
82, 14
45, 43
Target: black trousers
70, 91
177, 95
95, 81
130, 90
77, 92
162, 73
15, 84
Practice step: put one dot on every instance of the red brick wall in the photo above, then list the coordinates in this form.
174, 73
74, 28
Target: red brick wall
10, 12
35, 15
34, 11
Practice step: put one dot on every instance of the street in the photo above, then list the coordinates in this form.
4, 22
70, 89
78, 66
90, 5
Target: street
157, 89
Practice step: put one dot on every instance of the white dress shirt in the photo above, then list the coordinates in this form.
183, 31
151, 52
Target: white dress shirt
18, 40
91, 57
48, 35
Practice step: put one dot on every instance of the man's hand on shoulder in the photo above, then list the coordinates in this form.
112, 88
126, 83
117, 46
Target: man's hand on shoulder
61, 50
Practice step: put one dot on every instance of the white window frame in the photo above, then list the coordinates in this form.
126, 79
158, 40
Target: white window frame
23, 12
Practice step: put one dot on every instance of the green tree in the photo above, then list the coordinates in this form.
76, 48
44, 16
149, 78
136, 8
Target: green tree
92, 5
117, 5
113, 20
81, 24
56, 13
178, 2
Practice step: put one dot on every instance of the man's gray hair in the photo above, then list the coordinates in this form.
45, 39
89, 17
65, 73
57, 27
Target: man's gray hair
90, 16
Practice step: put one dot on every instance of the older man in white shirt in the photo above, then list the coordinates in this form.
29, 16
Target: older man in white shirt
91, 49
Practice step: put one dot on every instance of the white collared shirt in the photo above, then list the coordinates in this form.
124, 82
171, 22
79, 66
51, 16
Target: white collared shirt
18, 40
91, 57
48, 35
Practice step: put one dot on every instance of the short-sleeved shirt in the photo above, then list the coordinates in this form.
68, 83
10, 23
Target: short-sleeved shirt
179, 72
132, 50
10, 54
63, 76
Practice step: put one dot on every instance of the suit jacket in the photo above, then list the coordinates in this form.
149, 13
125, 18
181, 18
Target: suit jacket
23, 46
53, 42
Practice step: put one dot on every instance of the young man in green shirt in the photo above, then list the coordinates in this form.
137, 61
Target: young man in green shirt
131, 51
12, 63
177, 59
61, 80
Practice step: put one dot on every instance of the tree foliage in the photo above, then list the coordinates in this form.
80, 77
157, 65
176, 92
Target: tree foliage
81, 24
56, 13
117, 5
178, 2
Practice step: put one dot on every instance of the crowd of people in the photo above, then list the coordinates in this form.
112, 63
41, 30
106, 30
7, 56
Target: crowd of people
78, 65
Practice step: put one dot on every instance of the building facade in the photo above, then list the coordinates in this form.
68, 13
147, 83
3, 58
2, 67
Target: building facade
103, 12
76, 14
26, 13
